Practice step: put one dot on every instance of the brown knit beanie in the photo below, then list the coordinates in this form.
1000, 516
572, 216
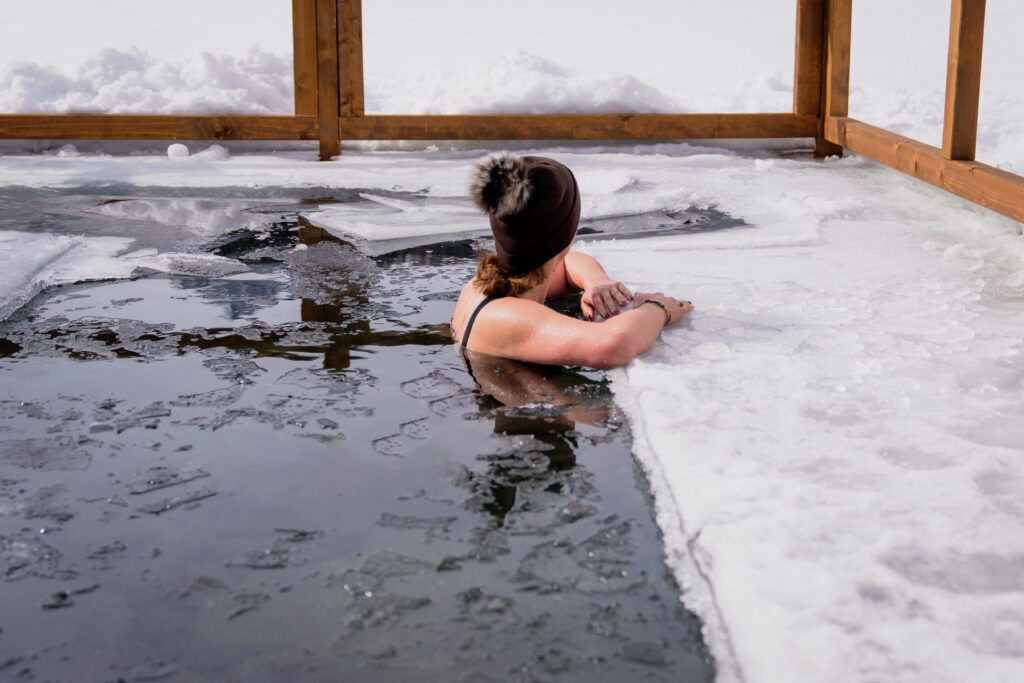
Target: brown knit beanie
533, 204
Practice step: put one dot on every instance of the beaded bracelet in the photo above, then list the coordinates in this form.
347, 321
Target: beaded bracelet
668, 313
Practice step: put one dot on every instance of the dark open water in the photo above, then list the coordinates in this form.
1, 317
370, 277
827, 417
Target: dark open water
287, 474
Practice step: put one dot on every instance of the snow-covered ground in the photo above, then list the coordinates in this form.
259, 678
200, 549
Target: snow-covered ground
835, 438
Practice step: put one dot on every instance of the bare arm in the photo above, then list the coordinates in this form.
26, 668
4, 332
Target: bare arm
582, 273
528, 331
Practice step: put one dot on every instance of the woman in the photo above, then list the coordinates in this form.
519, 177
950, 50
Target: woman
534, 209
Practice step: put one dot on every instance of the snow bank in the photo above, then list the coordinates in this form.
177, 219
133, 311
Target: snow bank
518, 82
131, 81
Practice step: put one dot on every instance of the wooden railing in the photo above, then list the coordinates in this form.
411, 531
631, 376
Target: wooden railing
951, 167
329, 107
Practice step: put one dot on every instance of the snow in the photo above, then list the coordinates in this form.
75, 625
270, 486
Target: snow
833, 438
827, 436
131, 81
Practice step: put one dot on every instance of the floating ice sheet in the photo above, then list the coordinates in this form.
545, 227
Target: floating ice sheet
381, 225
184, 263
29, 262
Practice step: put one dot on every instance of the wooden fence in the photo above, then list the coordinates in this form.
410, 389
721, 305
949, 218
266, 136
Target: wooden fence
951, 167
329, 107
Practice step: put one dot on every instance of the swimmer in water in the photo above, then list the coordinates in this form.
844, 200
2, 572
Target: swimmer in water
534, 209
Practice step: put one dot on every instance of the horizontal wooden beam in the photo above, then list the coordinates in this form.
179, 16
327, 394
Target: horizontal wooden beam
990, 187
156, 127
577, 126
408, 127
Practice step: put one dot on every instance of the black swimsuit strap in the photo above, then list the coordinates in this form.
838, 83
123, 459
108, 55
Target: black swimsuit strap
472, 319
465, 335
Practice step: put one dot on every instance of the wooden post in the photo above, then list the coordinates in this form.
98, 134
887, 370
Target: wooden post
304, 56
835, 70
327, 77
350, 54
963, 79
810, 36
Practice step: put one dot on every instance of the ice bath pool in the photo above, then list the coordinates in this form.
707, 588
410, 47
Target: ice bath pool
282, 471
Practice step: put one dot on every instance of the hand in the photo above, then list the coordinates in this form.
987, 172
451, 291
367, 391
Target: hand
677, 307
605, 299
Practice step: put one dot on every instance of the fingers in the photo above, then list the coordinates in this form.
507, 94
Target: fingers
608, 299
679, 309
606, 303
621, 293
587, 309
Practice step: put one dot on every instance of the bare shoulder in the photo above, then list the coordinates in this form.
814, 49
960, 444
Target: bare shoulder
469, 299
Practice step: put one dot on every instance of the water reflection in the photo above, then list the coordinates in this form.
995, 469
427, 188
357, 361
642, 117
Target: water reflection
550, 394
543, 404
436, 254
241, 298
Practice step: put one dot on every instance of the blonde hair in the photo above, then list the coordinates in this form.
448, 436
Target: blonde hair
494, 279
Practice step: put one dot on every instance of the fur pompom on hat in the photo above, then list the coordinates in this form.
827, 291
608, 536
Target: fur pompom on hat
533, 204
